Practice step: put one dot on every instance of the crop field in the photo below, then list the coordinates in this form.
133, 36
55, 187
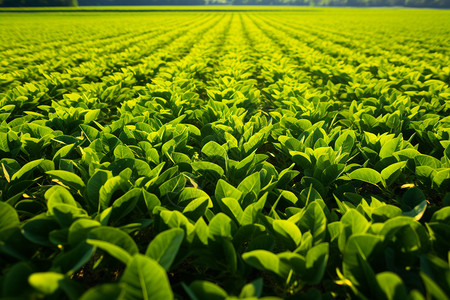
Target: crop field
225, 155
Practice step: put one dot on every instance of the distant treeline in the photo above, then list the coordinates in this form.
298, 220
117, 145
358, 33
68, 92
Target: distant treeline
26, 3
408, 3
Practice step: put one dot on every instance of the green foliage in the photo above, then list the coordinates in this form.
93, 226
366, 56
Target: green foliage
262, 155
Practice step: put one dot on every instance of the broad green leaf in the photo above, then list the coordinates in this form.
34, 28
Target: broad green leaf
145, 279
252, 289
28, 167
205, 290
251, 183
94, 185
114, 241
172, 186
90, 132
367, 175
66, 214
307, 182
414, 203
57, 195
406, 154
164, 247
79, 229
360, 251
442, 215
312, 219
201, 232
357, 222
232, 208
8, 216
441, 180
159, 179
266, 261
390, 147
412, 197
175, 219
16, 280
437, 269
110, 291
91, 115
106, 192
288, 231
208, 170
296, 263
196, 208
67, 178
391, 286
385, 212
433, 289
151, 201
221, 226
418, 211
252, 211
46, 283
316, 263
286, 176
125, 204
302, 159
122, 151
364, 244
345, 141
215, 153
310, 195
392, 172
189, 193
37, 229
406, 234
229, 253
244, 166
224, 189
331, 173
426, 160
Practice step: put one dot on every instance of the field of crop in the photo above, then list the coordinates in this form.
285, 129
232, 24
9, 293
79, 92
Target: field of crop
225, 155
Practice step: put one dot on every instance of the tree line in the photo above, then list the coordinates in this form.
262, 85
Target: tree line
360, 3
26, 3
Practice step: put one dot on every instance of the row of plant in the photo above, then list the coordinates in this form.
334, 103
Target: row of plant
231, 157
